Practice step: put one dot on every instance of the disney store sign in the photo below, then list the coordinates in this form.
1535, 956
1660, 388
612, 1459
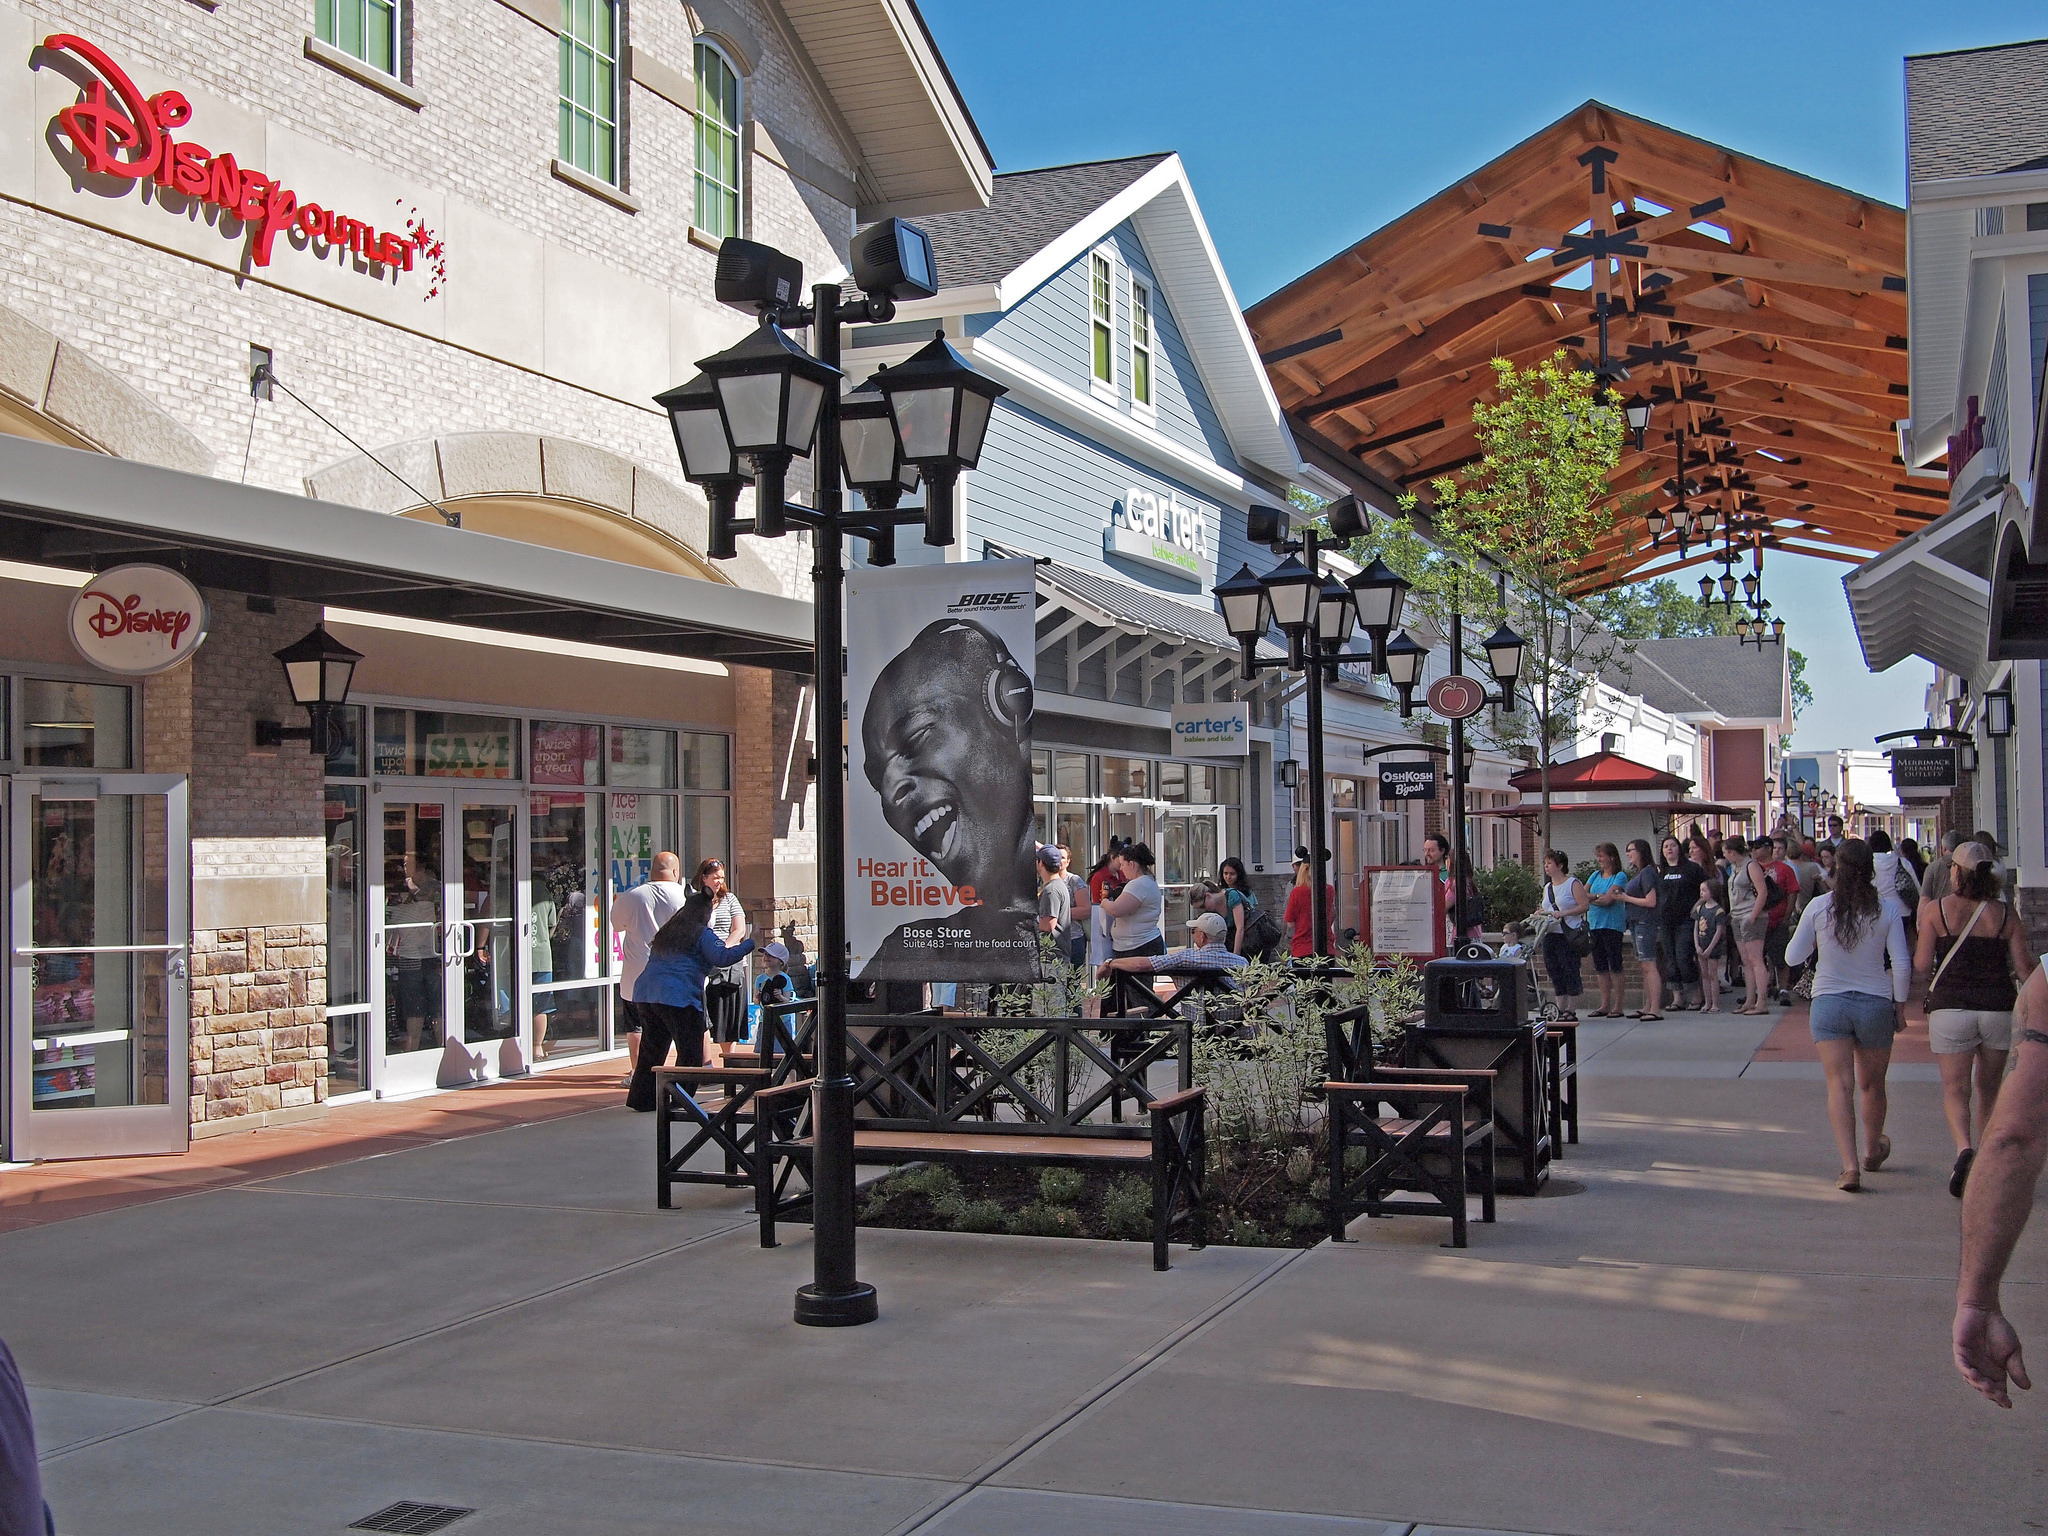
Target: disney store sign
118, 133
137, 620
1160, 530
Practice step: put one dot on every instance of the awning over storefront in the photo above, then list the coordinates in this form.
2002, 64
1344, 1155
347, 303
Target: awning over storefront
1930, 595
85, 512
1081, 615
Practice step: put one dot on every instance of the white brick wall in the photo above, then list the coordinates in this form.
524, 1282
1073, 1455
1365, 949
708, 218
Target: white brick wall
179, 331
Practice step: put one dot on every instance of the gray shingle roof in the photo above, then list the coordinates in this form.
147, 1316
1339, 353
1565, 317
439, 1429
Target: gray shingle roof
1978, 112
1720, 672
1027, 211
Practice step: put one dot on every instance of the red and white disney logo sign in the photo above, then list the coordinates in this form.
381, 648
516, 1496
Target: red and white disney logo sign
116, 132
128, 617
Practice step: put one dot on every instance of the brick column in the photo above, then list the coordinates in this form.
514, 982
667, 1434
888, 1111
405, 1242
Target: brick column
259, 914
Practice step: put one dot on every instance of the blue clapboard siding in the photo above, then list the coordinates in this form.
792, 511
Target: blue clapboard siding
1049, 328
1043, 488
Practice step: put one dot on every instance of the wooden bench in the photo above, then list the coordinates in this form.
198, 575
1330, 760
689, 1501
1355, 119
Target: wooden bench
931, 1088
1440, 1126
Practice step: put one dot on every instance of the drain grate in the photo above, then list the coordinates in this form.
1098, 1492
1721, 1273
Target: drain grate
410, 1518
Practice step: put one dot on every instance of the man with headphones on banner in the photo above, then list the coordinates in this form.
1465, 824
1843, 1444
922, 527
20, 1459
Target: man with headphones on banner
945, 746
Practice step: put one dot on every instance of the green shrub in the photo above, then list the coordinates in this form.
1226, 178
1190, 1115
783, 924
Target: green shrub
1300, 1168
936, 1182
1127, 1208
1244, 1234
1041, 1220
1319, 1188
978, 1216
1301, 1215
1061, 1186
1510, 892
1354, 1161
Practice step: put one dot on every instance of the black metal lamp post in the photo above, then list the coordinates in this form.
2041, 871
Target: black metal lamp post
318, 669
1317, 614
778, 402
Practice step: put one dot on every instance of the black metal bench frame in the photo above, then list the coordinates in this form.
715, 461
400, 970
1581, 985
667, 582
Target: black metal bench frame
929, 1074
1526, 1151
1441, 1119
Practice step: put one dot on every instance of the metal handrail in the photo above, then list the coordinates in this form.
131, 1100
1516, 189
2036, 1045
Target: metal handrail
105, 949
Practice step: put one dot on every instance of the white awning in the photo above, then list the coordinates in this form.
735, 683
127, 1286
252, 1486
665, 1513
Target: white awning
1930, 595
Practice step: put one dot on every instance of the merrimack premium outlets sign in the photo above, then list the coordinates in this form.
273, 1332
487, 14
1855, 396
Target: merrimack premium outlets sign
121, 139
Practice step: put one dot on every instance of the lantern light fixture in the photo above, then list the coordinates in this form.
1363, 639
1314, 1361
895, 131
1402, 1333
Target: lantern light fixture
1998, 713
1637, 410
1404, 669
941, 407
770, 394
1380, 595
318, 670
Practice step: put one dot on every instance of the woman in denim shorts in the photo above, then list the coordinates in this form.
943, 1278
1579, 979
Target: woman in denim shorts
1971, 944
1857, 1007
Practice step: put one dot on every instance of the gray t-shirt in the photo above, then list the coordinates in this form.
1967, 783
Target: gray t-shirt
1057, 902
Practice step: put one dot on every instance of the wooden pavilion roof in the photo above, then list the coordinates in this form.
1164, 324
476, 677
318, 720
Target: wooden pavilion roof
1762, 310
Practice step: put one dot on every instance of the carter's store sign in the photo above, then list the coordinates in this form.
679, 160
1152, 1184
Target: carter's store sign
1160, 530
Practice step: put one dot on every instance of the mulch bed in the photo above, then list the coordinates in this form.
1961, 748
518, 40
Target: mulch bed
1109, 1203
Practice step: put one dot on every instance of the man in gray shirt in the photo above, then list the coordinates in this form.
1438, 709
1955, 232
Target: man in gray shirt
1055, 901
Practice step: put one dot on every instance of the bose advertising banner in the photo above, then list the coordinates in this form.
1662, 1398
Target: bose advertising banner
939, 829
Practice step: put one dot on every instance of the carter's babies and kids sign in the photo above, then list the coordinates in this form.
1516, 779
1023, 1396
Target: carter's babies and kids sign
1212, 730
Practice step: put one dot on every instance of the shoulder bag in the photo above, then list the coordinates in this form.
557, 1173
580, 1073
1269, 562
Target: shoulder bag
1579, 938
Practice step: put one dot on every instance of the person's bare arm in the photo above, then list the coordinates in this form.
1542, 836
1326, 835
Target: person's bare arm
1142, 964
1123, 904
1997, 1202
2016, 941
1923, 946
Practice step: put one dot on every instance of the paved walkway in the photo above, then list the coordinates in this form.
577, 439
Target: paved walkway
1692, 1332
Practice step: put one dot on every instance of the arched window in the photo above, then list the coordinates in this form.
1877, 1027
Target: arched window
718, 143
589, 93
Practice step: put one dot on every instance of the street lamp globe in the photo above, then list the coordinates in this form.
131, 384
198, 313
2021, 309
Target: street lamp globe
1504, 651
1404, 668
1291, 590
1379, 594
318, 670
770, 391
708, 457
1657, 521
1335, 614
1706, 590
941, 408
1247, 614
1637, 410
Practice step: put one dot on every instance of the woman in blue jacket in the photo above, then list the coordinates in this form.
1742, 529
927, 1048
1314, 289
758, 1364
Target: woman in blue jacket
669, 994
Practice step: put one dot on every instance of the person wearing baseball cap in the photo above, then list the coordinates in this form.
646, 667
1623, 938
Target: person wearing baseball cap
1206, 951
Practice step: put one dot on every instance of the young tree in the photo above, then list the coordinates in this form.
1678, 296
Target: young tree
1512, 531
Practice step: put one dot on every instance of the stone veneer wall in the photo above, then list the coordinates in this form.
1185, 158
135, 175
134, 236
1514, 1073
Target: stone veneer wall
259, 909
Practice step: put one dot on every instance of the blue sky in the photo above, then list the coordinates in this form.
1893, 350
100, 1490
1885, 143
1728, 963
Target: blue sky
1307, 126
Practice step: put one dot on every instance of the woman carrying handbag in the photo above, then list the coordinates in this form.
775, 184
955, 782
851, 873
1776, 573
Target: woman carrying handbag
1973, 943
1567, 940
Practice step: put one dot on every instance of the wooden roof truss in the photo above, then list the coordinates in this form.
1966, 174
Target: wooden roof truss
1762, 311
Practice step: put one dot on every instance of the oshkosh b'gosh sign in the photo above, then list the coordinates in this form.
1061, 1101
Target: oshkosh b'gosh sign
117, 132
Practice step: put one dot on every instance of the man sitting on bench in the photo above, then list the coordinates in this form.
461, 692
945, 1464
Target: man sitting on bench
1208, 953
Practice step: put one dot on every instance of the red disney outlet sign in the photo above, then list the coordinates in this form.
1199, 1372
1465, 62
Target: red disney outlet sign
118, 132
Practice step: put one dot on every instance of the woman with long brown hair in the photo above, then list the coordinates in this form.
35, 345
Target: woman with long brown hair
1750, 898
1857, 1007
1972, 945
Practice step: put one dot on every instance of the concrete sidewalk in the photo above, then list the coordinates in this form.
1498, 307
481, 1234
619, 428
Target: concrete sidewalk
1692, 1332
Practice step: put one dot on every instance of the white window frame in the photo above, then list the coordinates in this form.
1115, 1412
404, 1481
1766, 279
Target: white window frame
738, 191
393, 70
1147, 409
613, 175
1101, 388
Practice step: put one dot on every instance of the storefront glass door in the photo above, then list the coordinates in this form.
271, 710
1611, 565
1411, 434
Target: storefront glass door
1190, 844
452, 985
98, 929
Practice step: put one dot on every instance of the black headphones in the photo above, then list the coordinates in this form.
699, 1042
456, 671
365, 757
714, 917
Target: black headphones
1006, 692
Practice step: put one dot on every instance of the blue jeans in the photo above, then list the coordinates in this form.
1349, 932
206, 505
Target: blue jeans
1868, 1020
